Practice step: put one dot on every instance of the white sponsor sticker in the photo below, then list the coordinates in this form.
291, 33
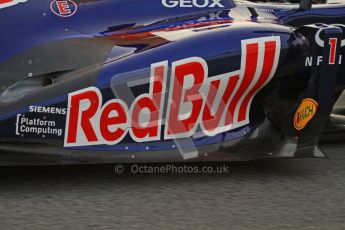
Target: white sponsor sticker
192, 3
47, 110
36, 126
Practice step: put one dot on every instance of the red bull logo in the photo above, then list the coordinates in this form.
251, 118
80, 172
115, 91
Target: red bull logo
194, 101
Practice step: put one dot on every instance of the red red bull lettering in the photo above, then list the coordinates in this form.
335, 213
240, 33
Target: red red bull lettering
214, 104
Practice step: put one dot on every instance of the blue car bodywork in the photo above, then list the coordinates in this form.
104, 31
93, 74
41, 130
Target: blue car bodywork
93, 81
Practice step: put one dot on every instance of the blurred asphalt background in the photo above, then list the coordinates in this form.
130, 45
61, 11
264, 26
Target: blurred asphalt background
265, 194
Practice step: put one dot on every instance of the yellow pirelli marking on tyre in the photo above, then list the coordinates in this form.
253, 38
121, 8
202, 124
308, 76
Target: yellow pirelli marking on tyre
305, 112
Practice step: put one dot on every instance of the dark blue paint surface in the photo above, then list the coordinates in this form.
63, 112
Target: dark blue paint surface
31, 24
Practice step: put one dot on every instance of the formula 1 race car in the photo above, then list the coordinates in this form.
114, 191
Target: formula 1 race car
105, 81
